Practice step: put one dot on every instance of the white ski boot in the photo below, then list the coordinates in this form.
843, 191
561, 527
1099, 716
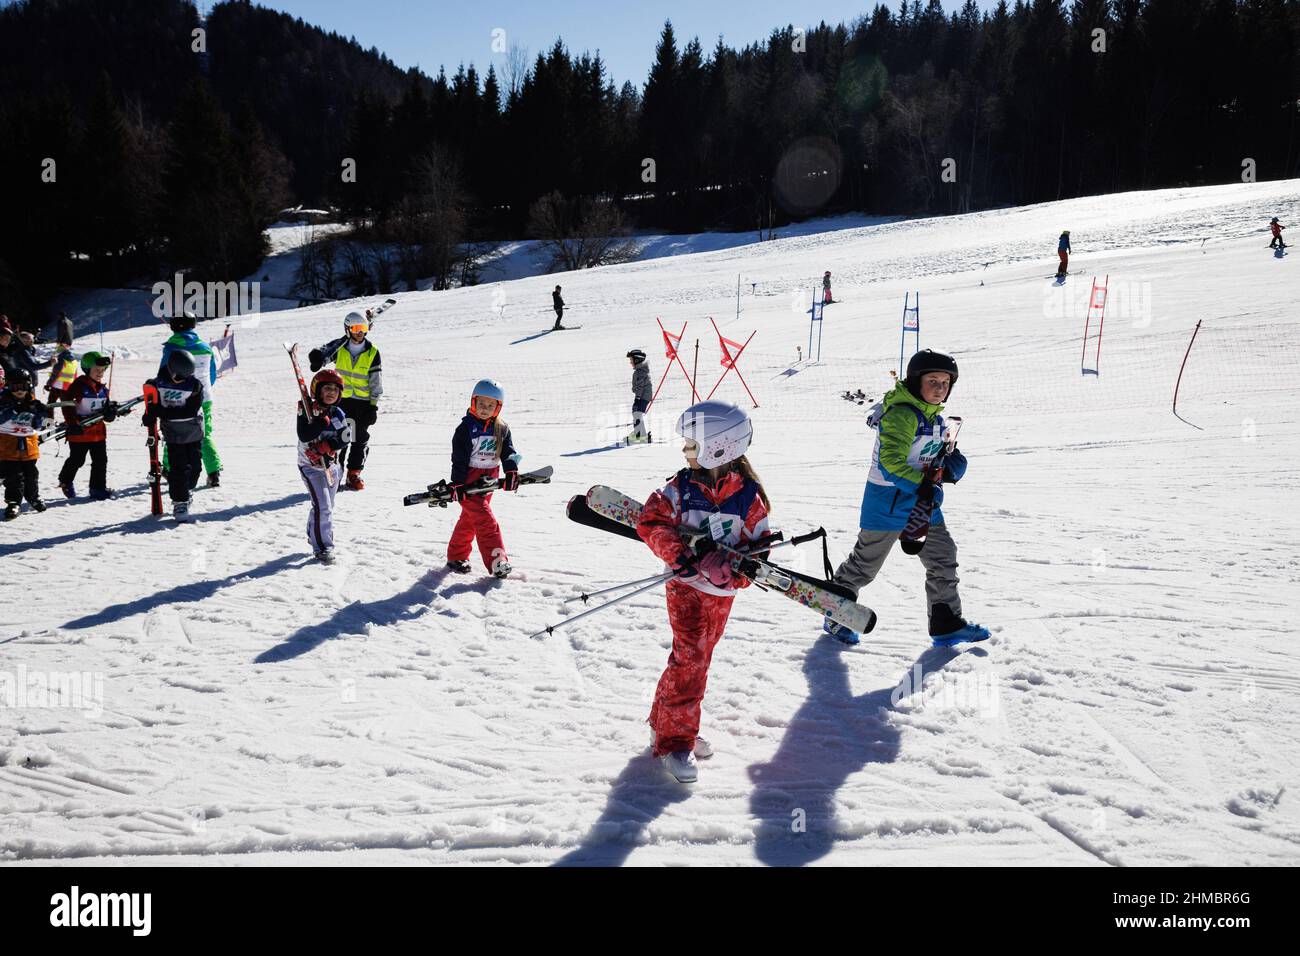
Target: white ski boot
181, 512
501, 568
681, 764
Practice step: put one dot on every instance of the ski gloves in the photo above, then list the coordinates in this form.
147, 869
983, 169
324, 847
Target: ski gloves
510, 481
708, 561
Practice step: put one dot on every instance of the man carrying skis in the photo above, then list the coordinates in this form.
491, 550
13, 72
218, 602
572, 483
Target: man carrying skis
1063, 250
358, 364
641, 395
1277, 227
186, 339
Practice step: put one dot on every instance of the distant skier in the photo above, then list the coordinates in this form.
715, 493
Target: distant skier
826, 288
481, 448
641, 395
358, 363
1278, 242
185, 338
320, 443
91, 397
557, 302
21, 418
909, 437
1063, 250
717, 488
179, 408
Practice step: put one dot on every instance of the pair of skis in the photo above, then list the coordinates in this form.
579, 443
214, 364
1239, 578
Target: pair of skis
440, 493
60, 431
606, 509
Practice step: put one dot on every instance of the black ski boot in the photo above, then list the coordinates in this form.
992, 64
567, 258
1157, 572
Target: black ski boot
460, 567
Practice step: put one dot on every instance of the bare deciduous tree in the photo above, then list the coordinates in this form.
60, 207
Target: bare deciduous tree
580, 233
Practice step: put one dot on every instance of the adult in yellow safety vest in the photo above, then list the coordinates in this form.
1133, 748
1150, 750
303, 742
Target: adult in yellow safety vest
358, 364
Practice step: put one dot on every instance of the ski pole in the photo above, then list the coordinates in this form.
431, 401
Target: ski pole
600, 607
762, 545
617, 587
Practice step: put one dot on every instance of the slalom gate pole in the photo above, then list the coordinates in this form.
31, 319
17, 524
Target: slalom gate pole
1184, 365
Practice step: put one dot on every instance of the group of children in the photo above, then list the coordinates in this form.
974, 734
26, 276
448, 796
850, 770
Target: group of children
25, 421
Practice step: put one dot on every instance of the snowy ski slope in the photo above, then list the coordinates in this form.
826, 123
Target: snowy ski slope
1137, 703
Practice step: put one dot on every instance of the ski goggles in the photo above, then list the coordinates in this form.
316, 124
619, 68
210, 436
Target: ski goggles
104, 361
356, 327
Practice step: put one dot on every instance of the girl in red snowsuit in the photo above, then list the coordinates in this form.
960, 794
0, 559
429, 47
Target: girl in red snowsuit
479, 449
699, 600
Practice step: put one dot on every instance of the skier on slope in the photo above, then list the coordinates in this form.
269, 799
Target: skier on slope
358, 363
557, 303
320, 443
826, 288
21, 417
641, 396
186, 339
481, 448
718, 489
910, 429
91, 396
1278, 242
1063, 250
179, 408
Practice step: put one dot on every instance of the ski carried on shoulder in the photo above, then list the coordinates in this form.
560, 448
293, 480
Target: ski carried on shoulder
824, 596
377, 311
440, 493
912, 537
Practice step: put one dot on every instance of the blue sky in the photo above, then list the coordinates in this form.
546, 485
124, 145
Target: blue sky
429, 33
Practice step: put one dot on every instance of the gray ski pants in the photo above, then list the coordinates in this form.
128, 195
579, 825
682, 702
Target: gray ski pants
938, 557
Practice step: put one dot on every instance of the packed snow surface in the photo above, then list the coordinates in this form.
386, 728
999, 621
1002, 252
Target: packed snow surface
1137, 702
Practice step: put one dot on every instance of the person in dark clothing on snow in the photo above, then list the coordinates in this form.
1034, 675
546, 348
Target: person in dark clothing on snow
557, 301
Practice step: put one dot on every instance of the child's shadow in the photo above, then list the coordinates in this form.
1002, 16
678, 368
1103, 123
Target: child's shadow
832, 736
640, 794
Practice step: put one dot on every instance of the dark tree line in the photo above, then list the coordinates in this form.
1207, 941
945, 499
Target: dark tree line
179, 160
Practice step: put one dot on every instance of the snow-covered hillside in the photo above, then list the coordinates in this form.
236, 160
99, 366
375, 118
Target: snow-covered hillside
1140, 573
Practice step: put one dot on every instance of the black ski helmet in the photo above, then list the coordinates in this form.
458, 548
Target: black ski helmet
19, 377
180, 363
183, 322
637, 356
929, 361
1275, 218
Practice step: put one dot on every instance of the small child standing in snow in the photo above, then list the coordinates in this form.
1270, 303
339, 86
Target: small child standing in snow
1063, 251
641, 395
1277, 227
176, 400
90, 395
320, 440
910, 429
718, 488
481, 448
826, 288
21, 419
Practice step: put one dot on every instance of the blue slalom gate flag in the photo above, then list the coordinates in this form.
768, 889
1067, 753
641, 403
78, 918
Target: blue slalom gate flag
224, 350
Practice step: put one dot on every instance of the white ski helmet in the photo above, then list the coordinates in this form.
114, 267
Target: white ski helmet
721, 430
